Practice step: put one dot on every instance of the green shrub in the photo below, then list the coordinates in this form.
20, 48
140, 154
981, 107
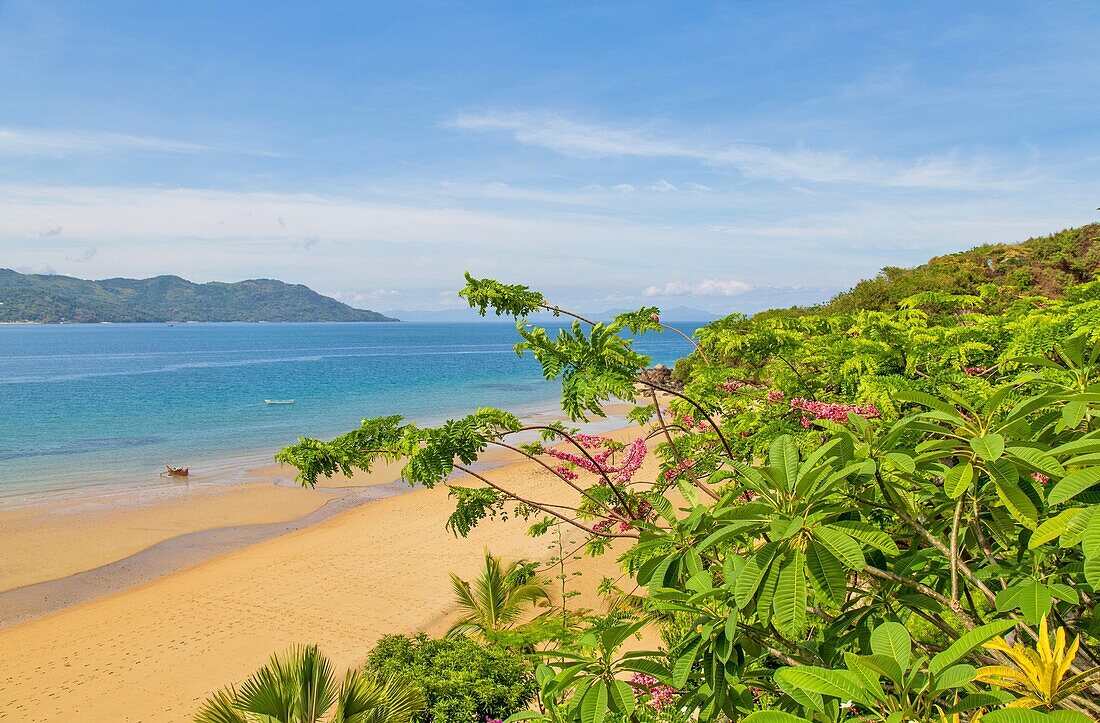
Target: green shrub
462, 680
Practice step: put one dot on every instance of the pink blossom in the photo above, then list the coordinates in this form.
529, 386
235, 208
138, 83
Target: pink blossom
681, 467
732, 386
633, 457
973, 371
591, 441
831, 411
1040, 477
565, 473
775, 395
655, 318
807, 422
660, 695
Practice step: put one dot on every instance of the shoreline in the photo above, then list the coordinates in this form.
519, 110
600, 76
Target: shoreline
155, 650
209, 470
84, 544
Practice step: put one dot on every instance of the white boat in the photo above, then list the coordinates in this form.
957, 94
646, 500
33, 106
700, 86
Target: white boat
278, 401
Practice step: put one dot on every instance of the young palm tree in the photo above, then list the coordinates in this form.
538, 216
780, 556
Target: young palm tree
300, 687
497, 600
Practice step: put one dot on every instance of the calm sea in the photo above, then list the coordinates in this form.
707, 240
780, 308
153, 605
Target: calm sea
84, 405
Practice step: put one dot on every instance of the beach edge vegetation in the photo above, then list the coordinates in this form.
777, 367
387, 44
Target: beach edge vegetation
861, 514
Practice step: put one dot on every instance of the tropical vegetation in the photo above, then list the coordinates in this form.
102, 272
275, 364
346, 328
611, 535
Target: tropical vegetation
876, 510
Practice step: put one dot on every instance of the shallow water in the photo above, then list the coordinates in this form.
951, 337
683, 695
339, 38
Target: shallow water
95, 404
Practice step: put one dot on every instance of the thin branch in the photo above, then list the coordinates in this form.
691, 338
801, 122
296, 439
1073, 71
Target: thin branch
577, 487
692, 402
538, 505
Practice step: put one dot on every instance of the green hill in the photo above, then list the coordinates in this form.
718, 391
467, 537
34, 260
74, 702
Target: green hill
1043, 266
51, 299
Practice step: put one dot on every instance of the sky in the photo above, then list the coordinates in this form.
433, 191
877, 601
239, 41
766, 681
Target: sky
723, 156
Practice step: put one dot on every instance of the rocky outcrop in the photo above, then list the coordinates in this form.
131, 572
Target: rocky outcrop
660, 376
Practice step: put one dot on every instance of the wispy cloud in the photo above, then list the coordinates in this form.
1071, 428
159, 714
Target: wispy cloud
947, 170
22, 142
706, 287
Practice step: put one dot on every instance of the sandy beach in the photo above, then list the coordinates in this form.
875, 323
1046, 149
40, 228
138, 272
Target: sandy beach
153, 651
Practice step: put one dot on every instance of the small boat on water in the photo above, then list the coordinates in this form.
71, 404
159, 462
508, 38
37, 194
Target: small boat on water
278, 401
176, 471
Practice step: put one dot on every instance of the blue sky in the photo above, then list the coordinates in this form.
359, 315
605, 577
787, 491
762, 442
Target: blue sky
716, 155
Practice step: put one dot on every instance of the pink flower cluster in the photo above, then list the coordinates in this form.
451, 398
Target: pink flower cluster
732, 386
831, 411
565, 472
974, 371
655, 318
689, 421
1040, 477
681, 467
633, 457
493, 720
660, 695
591, 441
774, 395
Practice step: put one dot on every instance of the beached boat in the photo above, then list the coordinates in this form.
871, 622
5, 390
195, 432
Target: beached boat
176, 471
278, 401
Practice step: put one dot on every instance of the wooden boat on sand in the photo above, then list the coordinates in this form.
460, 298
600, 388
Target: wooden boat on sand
176, 471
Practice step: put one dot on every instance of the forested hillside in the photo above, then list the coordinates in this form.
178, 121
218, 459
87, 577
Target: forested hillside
51, 299
1046, 266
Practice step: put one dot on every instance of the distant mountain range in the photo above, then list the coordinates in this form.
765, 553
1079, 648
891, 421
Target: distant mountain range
52, 299
672, 315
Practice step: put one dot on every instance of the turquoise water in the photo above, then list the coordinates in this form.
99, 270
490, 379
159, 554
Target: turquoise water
84, 405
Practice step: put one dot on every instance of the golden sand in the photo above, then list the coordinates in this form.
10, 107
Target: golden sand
154, 652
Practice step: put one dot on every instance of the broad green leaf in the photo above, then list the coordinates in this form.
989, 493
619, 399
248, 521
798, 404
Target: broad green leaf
892, 640
1073, 413
681, 670
955, 677
622, 697
789, 604
966, 643
1019, 505
826, 572
1038, 459
773, 716
867, 535
927, 400
1003, 471
989, 447
841, 546
958, 479
1064, 592
1078, 527
1034, 602
753, 573
594, 704
1073, 484
783, 457
1054, 527
834, 683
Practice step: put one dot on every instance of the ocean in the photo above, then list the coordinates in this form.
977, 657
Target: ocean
89, 405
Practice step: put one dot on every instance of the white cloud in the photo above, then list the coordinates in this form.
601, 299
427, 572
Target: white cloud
948, 170
384, 294
44, 269
20, 142
661, 186
706, 287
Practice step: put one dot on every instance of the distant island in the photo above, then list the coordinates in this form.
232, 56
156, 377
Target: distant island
37, 298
